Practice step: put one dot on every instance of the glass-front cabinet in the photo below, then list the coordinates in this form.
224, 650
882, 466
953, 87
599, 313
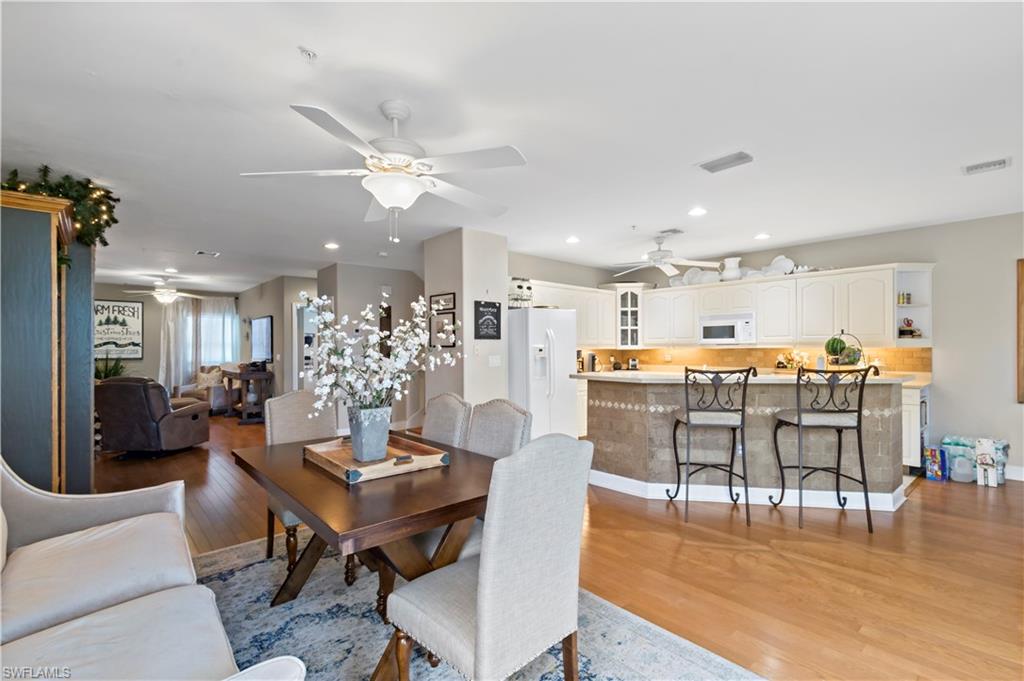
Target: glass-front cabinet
628, 314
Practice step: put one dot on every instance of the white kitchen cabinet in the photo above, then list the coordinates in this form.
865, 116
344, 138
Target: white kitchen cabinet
684, 325
860, 303
867, 306
595, 310
628, 313
656, 326
776, 312
581, 408
915, 424
817, 304
669, 317
727, 299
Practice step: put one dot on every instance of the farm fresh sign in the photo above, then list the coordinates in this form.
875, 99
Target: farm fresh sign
117, 329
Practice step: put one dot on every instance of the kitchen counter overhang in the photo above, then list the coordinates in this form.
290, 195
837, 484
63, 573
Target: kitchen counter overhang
630, 420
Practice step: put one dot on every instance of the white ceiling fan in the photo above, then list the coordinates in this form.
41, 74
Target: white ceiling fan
664, 260
163, 293
397, 170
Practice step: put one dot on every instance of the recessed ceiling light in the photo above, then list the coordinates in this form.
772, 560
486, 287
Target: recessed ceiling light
170, 270
762, 236
332, 245
382, 254
697, 211
572, 240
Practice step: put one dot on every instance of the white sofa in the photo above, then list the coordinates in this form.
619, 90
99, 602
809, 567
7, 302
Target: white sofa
102, 587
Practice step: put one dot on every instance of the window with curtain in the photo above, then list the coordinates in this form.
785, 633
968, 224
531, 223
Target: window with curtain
218, 331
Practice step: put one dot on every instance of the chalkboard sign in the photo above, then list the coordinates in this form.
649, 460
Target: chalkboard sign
486, 320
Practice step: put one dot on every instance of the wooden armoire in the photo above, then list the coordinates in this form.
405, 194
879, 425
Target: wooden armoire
46, 355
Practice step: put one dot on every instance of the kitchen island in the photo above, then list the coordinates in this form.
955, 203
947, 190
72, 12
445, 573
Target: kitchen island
630, 421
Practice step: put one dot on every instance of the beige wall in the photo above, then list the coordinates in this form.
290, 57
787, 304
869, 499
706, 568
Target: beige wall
544, 269
484, 277
152, 315
149, 365
973, 358
442, 273
353, 287
274, 298
475, 266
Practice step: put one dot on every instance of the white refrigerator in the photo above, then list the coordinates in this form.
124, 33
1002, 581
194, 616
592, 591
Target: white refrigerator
541, 357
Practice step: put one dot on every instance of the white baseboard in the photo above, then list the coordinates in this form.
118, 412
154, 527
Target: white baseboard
880, 501
1015, 472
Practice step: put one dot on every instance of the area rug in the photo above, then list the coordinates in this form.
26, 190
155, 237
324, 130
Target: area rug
336, 631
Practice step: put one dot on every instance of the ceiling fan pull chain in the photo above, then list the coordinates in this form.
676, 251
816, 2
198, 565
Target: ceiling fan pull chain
393, 225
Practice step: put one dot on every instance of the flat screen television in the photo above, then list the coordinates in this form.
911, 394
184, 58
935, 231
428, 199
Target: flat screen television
263, 339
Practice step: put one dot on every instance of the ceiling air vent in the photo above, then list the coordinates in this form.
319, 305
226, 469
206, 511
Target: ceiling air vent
671, 231
209, 254
724, 163
986, 166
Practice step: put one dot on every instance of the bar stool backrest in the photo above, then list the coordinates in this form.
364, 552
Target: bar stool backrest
724, 392
832, 391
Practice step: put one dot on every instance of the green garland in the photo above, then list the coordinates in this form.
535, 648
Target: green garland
92, 206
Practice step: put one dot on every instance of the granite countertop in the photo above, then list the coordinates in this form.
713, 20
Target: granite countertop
765, 376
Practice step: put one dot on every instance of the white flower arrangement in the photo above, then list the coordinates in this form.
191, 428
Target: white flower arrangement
351, 362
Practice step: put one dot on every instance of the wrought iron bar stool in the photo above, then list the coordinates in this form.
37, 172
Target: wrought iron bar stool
825, 399
714, 399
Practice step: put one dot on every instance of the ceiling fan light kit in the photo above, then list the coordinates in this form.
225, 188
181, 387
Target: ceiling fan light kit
397, 171
394, 190
165, 295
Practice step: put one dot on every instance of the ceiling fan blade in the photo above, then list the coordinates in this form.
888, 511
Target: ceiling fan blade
496, 157
376, 212
463, 197
346, 172
139, 293
332, 125
669, 270
693, 263
632, 269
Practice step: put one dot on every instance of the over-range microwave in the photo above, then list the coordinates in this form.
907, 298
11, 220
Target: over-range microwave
727, 329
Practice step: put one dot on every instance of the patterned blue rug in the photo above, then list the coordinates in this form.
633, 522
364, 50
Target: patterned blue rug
336, 631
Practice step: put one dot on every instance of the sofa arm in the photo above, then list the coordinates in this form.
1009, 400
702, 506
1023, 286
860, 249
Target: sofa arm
33, 514
285, 668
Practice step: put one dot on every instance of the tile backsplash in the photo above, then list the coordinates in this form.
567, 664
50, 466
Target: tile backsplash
892, 359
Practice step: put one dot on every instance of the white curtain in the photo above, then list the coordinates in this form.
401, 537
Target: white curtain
178, 363
218, 331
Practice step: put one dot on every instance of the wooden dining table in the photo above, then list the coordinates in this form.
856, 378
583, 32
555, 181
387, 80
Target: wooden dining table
375, 519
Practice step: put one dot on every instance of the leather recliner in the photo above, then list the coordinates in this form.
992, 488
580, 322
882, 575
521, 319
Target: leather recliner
136, 414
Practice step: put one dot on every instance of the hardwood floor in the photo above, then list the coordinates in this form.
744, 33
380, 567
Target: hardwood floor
935, 593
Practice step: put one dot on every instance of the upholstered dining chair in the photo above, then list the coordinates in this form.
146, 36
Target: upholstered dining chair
447, 419
498, 428
490, 615
287, 420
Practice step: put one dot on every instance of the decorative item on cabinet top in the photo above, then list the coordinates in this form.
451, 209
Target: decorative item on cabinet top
520, 293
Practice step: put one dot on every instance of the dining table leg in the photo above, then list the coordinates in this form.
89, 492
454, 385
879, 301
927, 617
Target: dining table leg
296, 579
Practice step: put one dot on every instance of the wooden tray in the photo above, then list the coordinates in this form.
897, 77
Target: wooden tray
404, 456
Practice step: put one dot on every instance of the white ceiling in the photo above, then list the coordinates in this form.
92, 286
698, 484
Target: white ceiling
859, 118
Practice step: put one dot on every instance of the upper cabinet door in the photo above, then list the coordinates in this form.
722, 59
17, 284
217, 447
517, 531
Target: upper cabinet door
868, 306
713, 301
740, 298
683, 315
727, 299
818, 314
776, 312
606, 320
657, 321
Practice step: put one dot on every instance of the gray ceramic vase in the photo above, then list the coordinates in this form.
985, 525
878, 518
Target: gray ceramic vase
369, 429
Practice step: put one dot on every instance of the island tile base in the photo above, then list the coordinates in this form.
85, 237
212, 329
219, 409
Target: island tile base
631, 426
